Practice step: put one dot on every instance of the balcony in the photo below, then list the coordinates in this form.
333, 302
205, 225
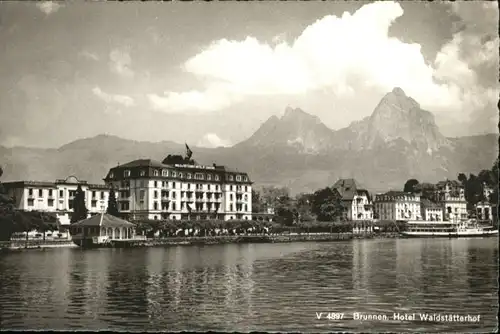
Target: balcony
165, 199
239, 191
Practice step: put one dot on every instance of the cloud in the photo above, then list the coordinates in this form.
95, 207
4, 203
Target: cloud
127, 101
48, 7
89, 55
120, 61
212, 140
334, 54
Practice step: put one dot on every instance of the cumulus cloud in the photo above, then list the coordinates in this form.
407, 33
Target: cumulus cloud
124, 100
336, 54
48, 7
120, 61
212, 140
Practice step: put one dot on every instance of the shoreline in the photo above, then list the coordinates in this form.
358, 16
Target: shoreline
19, 245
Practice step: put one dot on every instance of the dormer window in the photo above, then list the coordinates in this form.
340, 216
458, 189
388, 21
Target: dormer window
209, 177
164, 172
174, 174
188, 175
238, 178
245, 178
111, 175
181, 175
143, 173
231, 178
126, 173
155, 172
217, 178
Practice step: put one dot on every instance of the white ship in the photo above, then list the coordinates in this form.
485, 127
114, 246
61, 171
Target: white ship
447, 229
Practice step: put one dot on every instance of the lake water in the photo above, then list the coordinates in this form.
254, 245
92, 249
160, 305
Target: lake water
255, 287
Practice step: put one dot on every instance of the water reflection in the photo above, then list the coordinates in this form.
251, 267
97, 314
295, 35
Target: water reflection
271, 287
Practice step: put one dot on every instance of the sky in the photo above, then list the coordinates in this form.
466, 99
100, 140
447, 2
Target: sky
211, 73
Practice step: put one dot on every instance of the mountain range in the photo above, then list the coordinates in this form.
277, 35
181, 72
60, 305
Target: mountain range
398, 141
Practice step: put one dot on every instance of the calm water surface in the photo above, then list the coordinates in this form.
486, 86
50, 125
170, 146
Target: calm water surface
256, 287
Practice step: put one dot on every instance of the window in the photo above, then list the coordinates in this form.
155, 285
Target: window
217, 178
173, 194
61, 193
70, 204
111, 175
50, 193
72, 193
238, 178
40, 193
173, 185
155, 172
164, 172
209, 177
156, 217
102, 194
231, 178
30, 192
155, 206
143, 173
230, 188
50, 202
230, 197
230, 207
126, 173
188, 175
155, 184
141, 195
245, 178
94, 204
173, 207
156, 194
174, 174
93, 194
181, 175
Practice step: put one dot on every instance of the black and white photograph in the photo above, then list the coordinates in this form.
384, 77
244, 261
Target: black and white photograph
249, 166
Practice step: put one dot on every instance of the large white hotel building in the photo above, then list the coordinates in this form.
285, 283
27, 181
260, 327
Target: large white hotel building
147, 189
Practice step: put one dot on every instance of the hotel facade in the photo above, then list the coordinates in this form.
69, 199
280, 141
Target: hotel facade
397, 205
57, 196
179, 188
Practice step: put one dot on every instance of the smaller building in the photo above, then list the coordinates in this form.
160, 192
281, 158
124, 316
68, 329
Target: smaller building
357, 202
99, 229
431, 211
484, 211
451, 196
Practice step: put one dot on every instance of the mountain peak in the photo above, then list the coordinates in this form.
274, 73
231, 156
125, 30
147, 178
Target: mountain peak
398, 91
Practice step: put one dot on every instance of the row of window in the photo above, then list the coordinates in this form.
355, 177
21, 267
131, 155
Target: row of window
196, 176
72, 193
50, 203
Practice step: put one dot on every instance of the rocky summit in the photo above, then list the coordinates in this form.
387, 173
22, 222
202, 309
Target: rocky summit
398, 141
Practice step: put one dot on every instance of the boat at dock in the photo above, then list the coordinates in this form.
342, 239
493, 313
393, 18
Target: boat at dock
447, 229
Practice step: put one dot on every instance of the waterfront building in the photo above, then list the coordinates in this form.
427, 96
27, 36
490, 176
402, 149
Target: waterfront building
57, 196
179, 188
430, 210
102, 228
398, 205
451, 196
484, 211
357, 202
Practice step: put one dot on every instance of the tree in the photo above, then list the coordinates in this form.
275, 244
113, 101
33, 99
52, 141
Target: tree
271, 195
462, 178
473, 191
327, 204
304, 207
112, 204
410, 186
256, 202
79, 209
